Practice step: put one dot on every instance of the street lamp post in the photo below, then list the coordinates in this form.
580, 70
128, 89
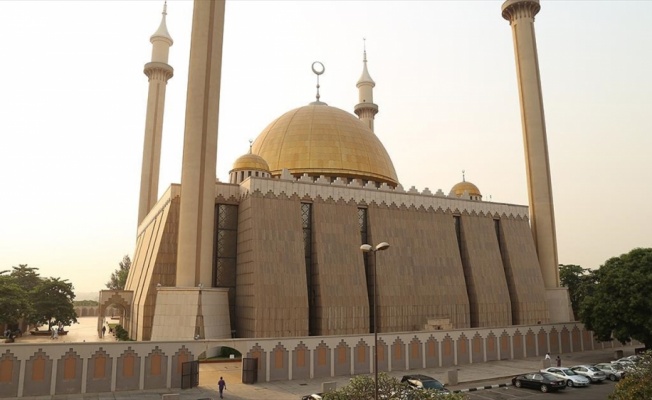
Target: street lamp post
369, 248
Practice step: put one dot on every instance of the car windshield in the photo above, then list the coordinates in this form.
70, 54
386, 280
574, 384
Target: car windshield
548, 376
594, 369
432, 385
568, 372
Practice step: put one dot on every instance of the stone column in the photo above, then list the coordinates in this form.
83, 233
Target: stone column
197, 209
520, 14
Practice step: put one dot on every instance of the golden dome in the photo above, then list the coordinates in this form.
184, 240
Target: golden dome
464, 186
250, 162
323, 140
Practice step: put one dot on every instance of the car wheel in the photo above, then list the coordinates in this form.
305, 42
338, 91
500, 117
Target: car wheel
517, 384
569, 383
544, 388
613, 378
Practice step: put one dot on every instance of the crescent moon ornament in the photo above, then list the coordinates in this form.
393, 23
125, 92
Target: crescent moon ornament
318, 68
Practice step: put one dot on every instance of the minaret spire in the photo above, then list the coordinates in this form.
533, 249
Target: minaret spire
158, 72
366, 109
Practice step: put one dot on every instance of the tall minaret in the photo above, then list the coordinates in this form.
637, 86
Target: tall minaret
193, 309
366, 109
159, 72
196, 222
520, 14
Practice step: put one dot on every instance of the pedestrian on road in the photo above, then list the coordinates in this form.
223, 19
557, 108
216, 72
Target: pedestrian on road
103, 330
558, 361
221, 385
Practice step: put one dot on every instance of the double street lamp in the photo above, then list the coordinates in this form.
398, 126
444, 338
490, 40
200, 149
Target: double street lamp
367, 248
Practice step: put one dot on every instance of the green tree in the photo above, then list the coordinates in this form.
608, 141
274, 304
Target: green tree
362, 387
26, 277
14, 303
620, 303
636, 384
579, 281
53, 302
119, 276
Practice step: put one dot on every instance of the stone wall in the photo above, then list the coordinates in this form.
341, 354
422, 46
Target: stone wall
154, 261
271, 287
486, 284
420, 276
47, 369
471, 262
341, 304
524, 279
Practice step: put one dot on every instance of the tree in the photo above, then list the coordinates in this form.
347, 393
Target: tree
362, 387
26, 277
579, 282
14, 303
620, 303
119, 277
637, 384
53, 303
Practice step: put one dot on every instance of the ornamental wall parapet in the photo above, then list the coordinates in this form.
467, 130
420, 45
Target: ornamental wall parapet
367, 193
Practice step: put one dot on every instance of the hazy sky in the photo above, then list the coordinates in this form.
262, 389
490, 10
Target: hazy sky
73, 97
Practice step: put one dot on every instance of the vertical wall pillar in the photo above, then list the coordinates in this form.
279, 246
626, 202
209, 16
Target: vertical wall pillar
197, 209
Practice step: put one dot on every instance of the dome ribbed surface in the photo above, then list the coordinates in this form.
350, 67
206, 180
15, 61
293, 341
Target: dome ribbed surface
323, 140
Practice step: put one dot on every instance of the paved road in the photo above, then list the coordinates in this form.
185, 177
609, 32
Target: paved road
598, 391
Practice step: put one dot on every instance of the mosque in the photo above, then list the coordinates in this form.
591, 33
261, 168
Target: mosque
276, 251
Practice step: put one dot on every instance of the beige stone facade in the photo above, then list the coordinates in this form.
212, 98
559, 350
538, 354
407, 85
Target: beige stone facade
469, 262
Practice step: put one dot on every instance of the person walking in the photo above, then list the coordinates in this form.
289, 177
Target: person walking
103, 330
221, 385
547, 356
558, 361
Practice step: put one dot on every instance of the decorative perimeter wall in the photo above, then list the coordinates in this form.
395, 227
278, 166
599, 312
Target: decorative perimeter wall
46, 369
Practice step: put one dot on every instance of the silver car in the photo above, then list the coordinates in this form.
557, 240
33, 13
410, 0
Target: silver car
571, 377
627, 365
591, 372
614, 371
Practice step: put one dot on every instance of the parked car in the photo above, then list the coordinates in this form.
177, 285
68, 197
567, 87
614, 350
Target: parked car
572, 378
418, 381
543, 381
614, 371
627, 365
591, 372
627, 361
314, 396
634, 358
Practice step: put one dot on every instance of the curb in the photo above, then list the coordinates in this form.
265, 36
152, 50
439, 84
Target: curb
482, 388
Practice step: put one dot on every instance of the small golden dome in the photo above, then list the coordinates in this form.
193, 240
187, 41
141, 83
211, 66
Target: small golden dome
323, 140
250, 162
464, 186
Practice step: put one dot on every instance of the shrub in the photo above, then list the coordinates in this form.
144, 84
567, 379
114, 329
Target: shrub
121, 333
